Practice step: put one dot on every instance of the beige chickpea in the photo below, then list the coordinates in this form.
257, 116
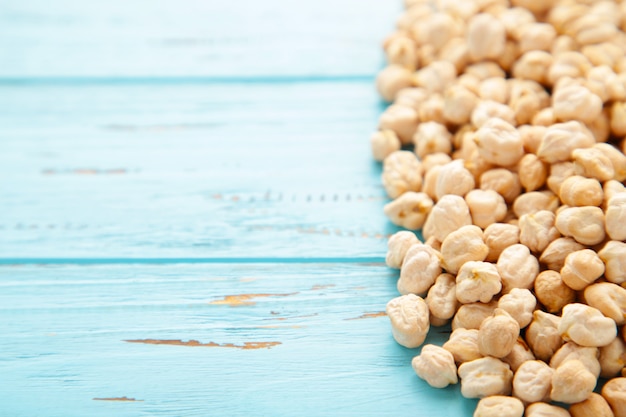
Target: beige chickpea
470, 316
584, 224
432, 137
613, 254
537, 7
402, 120
449, 214
401, 50
510, 54
436, 77
542, 335
488, 109
617, 158
486, 37
499, 236
593, 406
586, 326
527, 99
517, 267
618, 118
499, 406
433, 243
469, 81
392, 79
436, 30
600, 80
401, 173
612, 358
614, 392
535, 201
568, 64
409, 210
544, 118
537, 230
408, 315
455, 51
477, 281
588, 356
416, 10
459, 103
581, 268
498, 334
591, 29
605, 53
384, 143
576, 102
531, 136
420, 269
552, 292
486, 206
514, 18
429, 183
533, 172
545, 410
578, 191
536, 37
412, 97
593, 163
520, 304
426, 55
462, 10
533, 65
499, 142
436, 366
616, 217
432, 109
494, 89
564, 43
434, 159
477, 165
398, 245
609, 298
463, 245
463, 345
611, 188
441, 298
485, 377
600, 127
519, 354
572, 382
533, 381
454, 179
555, 253
559, 172
484, 70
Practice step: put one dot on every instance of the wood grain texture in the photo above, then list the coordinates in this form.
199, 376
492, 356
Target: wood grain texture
318, 344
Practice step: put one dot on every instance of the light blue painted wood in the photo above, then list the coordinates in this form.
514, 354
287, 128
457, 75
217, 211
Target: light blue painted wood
64, 328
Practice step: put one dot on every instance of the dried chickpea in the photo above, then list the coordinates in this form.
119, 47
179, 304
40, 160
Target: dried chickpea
604, 53
455, 179
581, 268
470, 316
559, 172
401, 173
400, 119
533, 173
545, 410
613, 254
436, 366
587, 355
618, 159
536, 37
398, 245
544, 118
572, 382
519, 354
600, 128
494, 89
488, 109
461, 10
611, 188
535, 201
436, 30
409, 320
484, 70
612, 358
499, 142
552, 292
477, 281
520, 304
600, 81
486, 37
401, 50
432, 137
533, 381
432, 109
556, 252
561, 139
618, 118
499, 406
463, 345
498, 334
412, 97
463, 245
391, 80
542, 335
584, 224
459, 103
409, 210
441, 298
477, 165
614, 392
586, 326
537, 230
515, 18
435, 77
616, 217
510, 54
609, 298
455, 51
533, 65
578, 191
517, 268
449, 214
420, 269
486, 206
384, 142
497, 237
594, 406
593, 163
576, 102
485, 377
527, 99
434, 159
429, 183
568, 64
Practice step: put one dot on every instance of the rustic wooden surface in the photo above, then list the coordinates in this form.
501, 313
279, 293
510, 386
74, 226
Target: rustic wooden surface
191, 221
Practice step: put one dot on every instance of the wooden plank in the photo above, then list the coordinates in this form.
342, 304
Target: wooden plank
208, 170
142, 38
317, 343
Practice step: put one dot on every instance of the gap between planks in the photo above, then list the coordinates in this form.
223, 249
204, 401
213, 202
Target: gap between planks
372, 260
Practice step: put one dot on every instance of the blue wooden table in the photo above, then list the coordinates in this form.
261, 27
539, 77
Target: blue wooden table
191, 222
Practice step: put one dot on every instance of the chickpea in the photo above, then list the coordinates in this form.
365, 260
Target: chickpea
581, 268
409, 210
515, 18
519, 354
499, 142
612, 358
429, 183
545, 410
542, 335
611, 188
497, 237
432, 109
559, 172
494, 89
593, 406
533, 173
477, 281
455, 179
436, 77
613, 254
593, 163
537, 230
484, 70
561, 139
391, 80
587, 355
485, 377
586, 326
449, 214
503, 181
572, 382
536, 37
544, 117
584, 224
401, 173
616, 217
552, 292
435, 159
533, 65
398, 245
463, 245
436, 30
486, 37
527, 99
470, 316
535, 201
498, 334
499, 406
567, 64
487, 109
409, 320
533, 381
576, 103
614, 392
436, 366
432, 137
463, 345
384, 142
609, 298
441, 298
517, 268
554, 255
618, 117
618, 160
400, 119
401, 50
420, 269
459, 103
455, 51
578, 191
412, 97
520, 304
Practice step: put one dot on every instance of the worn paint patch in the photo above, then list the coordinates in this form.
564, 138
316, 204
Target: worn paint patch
369, 315
123, 399
245, 299
195, 343
321, 287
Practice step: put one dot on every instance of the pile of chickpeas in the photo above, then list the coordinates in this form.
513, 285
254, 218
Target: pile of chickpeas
504, 144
